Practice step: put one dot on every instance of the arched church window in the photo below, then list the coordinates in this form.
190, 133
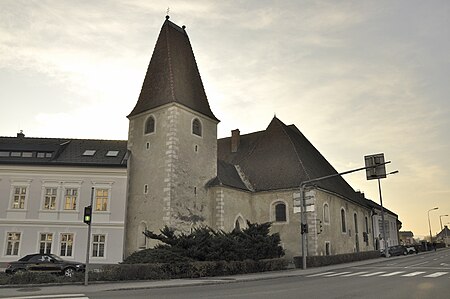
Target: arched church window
326, 213
142, 239
343, 221
280, 212
197, 127
150, 125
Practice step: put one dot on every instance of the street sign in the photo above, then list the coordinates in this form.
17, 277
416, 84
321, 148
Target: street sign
376, 168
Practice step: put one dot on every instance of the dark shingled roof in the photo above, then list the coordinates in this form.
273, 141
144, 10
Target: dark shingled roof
172, 75
281, 158
62, 151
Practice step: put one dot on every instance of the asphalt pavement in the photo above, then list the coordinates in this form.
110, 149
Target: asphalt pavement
21, 290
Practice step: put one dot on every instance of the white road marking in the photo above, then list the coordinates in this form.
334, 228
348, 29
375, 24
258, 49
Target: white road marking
319, 274
393, 273
354, 274
373, 274
336, 274
413, 274
437, 274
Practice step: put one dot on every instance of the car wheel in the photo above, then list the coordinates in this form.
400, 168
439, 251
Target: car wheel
69, 272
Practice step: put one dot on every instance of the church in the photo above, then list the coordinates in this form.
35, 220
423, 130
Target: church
173, 170
182, 176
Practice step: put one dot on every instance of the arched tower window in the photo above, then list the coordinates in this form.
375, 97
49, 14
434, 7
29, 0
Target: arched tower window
142, 239
197, 127
150, 125
280, 212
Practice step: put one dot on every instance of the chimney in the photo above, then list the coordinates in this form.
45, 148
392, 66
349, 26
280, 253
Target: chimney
20, 134
235, 139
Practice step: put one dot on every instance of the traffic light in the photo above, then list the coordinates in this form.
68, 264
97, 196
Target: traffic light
304, 228
320, 228
87, 214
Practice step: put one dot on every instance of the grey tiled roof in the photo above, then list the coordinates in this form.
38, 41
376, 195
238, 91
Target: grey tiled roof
172, 75
62, 151
281, 157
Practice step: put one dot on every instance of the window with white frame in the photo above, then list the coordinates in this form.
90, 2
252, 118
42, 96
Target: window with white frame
326, 213
45, 243
98, 245
50, 198
66, 245
19, 197
12, 244
101, 199
70, 198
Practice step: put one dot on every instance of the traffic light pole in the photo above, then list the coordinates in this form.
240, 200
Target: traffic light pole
303, 219
86, 270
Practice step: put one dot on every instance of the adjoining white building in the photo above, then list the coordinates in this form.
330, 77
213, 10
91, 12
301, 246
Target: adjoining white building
45, 183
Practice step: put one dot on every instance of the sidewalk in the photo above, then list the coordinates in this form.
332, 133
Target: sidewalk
21, 290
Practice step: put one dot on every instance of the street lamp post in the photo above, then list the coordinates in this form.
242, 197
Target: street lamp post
440, 220
429, 223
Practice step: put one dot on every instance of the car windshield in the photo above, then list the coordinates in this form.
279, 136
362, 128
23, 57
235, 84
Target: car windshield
25, 258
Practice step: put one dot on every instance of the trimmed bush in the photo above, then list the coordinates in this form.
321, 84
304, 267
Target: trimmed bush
326, 260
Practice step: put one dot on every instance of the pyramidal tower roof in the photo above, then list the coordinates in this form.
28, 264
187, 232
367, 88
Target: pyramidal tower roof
172, 75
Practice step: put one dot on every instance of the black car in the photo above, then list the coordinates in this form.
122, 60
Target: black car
45, 263
396, 250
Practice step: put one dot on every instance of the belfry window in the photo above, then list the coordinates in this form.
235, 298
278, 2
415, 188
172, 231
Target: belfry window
150, 125
196, 127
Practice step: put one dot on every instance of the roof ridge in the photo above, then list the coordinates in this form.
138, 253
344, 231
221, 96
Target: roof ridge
283, 127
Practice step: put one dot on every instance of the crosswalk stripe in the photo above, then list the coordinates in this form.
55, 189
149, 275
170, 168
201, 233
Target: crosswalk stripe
413, 274
354, 274
319, 274
437, 274
336, 274
392, 274
373, 274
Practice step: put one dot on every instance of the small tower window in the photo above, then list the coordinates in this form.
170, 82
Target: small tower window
145, 189
197, 127
150, 125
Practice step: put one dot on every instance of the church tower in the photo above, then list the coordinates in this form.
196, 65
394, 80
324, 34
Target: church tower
172, 142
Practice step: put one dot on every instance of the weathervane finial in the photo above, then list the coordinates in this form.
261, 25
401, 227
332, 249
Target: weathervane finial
167, 11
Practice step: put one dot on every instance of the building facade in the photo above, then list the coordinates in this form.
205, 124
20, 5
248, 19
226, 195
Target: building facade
45, 185
182, 176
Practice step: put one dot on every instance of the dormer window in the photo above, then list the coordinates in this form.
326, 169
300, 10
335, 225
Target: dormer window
89, 152
197, 127
150, 125
112, 153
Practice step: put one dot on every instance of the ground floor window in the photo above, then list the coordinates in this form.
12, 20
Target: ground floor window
66, 245
98, 245
45, 243
13, 242
327, 248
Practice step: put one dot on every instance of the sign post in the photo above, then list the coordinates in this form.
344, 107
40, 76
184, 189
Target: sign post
88, 219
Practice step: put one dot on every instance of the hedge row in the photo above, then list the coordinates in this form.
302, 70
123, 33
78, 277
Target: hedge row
123, 272
320, 261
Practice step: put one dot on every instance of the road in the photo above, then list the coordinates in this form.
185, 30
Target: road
415, 276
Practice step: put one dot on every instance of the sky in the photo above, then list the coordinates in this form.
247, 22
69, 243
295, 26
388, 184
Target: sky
356, 77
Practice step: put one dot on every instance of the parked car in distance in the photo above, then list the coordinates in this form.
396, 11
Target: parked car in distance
49, 263
396, 250
410, 249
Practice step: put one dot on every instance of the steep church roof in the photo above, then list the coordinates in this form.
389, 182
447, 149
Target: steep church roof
281, 157
172, 75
